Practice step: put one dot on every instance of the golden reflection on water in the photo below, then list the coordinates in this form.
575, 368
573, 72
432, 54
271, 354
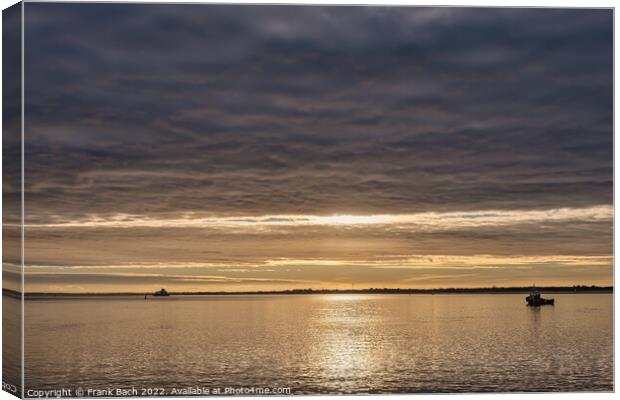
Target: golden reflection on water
324, 343
345, 344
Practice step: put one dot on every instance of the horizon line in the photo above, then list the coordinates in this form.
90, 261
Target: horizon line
573, 288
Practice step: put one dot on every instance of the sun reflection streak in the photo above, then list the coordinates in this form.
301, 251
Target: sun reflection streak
346, 343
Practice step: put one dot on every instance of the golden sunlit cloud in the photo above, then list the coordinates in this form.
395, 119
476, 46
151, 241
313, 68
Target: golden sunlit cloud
393, 261
421, 221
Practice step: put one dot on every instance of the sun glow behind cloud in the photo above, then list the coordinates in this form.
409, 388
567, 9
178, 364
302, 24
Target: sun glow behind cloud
397, 270
390, 261
428, 220
562, 246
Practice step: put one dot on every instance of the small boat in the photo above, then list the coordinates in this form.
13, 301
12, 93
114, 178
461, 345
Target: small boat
161, 293
534, 299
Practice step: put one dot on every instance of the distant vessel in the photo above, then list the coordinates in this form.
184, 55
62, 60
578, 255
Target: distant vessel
534, 299
161, 293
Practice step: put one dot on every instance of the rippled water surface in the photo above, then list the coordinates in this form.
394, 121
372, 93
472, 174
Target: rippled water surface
323, 343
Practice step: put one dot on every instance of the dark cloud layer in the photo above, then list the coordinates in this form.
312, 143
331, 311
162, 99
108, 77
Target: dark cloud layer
146, 109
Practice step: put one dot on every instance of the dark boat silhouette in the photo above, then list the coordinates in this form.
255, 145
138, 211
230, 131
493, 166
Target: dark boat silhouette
161, 293
534, 299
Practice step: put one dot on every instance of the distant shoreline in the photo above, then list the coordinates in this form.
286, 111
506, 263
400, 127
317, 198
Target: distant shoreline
492, 290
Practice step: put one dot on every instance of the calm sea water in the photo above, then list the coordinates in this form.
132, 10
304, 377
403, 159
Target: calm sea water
323, 343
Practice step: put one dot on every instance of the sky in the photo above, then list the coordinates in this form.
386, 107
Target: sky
228, 147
